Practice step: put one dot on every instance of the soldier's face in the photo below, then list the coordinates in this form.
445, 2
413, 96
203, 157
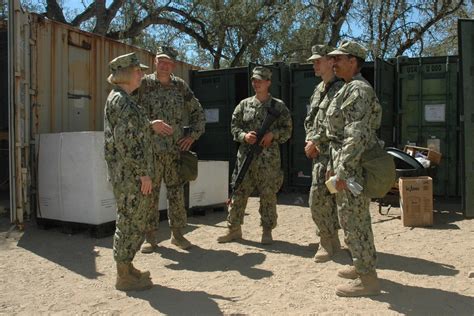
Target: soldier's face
343, 66
164, 66
261, 86
317, 67
136, 77
323, 66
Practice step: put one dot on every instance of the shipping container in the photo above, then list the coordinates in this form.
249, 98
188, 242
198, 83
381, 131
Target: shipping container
384, 82
466, 56
70, 68
428, 114
57, 77
219, 91
302, 84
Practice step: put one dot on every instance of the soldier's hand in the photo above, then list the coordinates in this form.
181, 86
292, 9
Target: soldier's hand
146, 185
311, 150
185, 143
341, 185
250, 137
160, 127
266, 140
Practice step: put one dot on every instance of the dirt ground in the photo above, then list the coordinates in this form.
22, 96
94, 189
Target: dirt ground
422, 270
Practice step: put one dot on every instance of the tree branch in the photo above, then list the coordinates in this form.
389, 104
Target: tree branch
54, 11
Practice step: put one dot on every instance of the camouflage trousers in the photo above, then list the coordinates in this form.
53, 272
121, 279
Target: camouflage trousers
354, 218
134, 211
323, 210
267, 186
167, 169
322, 203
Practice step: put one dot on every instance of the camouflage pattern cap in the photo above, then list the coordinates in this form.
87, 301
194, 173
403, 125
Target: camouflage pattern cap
319, 51
124, 61
261, 73
166, 52
350, 48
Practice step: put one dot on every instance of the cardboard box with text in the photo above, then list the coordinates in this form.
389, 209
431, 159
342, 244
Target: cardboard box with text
416, 201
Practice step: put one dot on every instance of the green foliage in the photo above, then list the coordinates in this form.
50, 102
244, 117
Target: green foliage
228, 33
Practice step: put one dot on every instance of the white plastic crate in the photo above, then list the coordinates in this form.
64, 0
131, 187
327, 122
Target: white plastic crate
212, 184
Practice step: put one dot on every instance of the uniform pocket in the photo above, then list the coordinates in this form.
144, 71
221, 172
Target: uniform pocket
249, 115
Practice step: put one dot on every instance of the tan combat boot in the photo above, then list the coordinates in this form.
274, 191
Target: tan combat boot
233, 233
365, 285
126, 281
150, 244
178, 239
325, 250
137, 273
267, 238
348, 272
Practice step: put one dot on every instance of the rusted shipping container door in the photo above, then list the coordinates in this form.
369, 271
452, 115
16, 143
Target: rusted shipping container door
79, 93
19, 85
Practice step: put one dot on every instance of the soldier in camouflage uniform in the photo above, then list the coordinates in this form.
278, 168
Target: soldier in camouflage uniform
352, 120
321, 202
172, 106
264, 174
129, 157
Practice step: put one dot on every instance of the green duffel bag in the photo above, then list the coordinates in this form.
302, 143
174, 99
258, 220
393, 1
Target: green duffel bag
379, 172
189, 165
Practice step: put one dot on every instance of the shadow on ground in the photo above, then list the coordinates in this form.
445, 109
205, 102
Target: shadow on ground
281, 246
210, 260
414, 300
74, 252
170, 301
414, 265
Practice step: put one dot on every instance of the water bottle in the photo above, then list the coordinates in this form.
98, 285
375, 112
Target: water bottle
353, 186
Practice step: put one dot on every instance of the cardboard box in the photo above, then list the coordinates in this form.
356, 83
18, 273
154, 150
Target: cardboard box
416, 201
430, 154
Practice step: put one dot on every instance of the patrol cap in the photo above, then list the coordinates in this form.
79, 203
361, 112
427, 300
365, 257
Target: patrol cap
166, 52
350, 48
124, 61
319, 51
261, 73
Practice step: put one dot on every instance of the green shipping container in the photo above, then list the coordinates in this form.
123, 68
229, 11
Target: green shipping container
302, 84
384, 85
466, 56
219, 91
428, 114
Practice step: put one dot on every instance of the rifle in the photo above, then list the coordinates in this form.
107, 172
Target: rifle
254, 149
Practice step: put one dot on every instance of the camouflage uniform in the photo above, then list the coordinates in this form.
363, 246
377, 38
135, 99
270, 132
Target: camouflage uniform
352, 120
264, 174
129, 156
321, 202
176, 105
